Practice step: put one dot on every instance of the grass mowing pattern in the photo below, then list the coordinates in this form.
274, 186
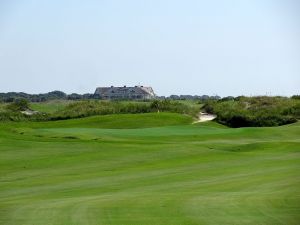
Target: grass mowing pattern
85, 171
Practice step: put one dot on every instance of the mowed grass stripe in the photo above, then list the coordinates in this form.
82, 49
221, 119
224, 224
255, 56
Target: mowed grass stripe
154, 174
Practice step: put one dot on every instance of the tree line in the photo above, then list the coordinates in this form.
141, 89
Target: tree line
59, 95
53, 95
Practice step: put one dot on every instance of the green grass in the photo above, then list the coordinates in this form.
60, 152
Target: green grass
2, 107
51, 106
148, 169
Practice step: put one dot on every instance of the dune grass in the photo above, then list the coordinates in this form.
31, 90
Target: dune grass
148, 169
51, 106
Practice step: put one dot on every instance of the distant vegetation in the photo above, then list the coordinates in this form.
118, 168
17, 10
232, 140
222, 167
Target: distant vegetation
255, 111
85, 108
18, 105
53, 95
59, 95
234, 112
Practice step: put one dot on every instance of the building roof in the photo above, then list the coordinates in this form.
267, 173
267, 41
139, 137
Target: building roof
137, 90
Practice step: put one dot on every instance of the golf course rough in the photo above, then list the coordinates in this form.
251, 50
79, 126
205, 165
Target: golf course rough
148, 169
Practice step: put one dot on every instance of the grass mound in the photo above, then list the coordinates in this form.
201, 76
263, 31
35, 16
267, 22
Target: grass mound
115, 121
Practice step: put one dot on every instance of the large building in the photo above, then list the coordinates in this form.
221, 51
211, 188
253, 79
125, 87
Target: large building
132, 93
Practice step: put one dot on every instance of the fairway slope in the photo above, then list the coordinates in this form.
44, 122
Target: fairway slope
117, 121
146, 169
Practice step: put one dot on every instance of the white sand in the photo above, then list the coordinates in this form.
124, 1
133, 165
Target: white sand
203, 117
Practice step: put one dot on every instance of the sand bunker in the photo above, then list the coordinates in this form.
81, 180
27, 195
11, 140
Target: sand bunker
203, 117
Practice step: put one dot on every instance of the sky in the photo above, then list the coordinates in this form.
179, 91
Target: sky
223, 47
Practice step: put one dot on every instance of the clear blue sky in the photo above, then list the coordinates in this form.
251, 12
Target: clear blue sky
242, 47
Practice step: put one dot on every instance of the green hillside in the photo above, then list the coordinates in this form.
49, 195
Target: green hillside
148, 169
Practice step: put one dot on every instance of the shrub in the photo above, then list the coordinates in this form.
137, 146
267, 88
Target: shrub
94, 107
255, 111
296, 97
18, 105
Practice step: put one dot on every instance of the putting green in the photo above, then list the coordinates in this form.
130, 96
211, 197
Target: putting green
148, 169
